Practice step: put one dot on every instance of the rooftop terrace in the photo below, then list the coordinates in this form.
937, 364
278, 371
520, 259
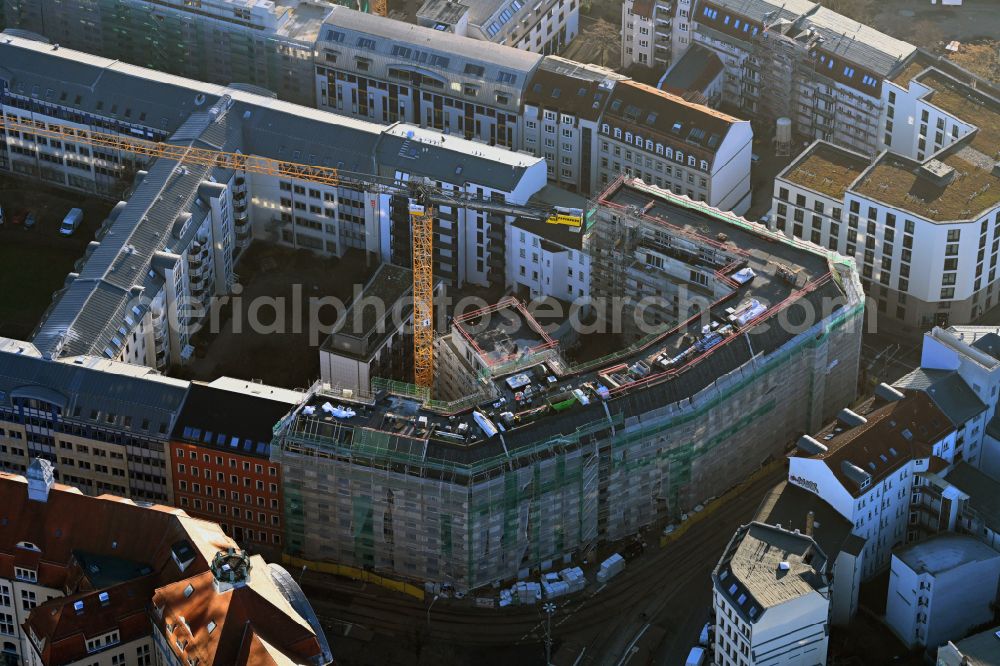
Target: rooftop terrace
964, 103
826, 169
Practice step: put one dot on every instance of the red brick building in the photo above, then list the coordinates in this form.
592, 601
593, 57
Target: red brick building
219, 460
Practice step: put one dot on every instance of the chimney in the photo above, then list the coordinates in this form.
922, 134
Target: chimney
810, 518
40, 480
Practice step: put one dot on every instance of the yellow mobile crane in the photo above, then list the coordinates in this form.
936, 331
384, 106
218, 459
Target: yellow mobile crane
423, 195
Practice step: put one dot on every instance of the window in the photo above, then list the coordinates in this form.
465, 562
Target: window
28, 600
7, 624
29, 575
5, 595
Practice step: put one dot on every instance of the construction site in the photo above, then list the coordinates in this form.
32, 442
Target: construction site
545, 460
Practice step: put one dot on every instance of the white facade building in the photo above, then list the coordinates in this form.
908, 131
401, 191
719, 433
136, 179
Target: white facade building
157, 266
772, 599
669, 142
941, 588
539, 27
799, 60
865, 468
931, 201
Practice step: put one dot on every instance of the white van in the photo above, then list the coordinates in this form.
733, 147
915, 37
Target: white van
71, 222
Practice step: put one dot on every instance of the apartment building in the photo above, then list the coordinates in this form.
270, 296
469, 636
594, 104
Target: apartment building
771, 595
801, 61
932, 206
865, 466
941, 588
650, 30
548, 261
105, 424
101, 580
563, 105
373, 337
219, 459
544, 26
268, 45
435, 490
980, 649
387, 71
677, 145
962, 500
156, 266
795, 509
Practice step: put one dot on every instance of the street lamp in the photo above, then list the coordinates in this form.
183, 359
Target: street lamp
550, 609
436, 597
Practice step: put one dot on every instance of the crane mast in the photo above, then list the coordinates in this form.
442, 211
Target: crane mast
423, 195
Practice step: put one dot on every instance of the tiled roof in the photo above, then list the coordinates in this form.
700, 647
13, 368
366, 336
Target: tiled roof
894, 434
647, 109
948, 391
135, 550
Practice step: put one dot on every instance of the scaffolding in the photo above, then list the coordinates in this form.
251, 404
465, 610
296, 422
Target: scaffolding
417, 509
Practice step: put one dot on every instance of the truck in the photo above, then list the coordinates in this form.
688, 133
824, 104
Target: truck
696, 657
70, 223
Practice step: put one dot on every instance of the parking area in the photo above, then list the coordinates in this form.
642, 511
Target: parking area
34, 261
268, 339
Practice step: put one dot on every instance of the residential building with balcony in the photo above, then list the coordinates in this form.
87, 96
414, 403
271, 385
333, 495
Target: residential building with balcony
539, 26
386, 71
941, 588
219, 459
865, 465
674, 144
650, 29
102, 580
157, 263
563, 104
799, 60
771, 596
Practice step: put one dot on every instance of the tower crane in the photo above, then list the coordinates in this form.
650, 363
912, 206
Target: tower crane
425, 197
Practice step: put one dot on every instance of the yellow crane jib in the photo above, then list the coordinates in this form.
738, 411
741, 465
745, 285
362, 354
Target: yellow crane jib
571, 217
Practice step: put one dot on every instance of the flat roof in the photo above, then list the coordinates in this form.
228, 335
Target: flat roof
826, 169
387, 425
765, 566
968, 104
896, 181
503, 332
943, 552
982, 649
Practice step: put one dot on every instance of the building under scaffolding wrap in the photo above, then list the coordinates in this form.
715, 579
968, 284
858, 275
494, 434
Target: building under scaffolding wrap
471, 494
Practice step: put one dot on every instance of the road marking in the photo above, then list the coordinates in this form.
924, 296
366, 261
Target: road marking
580, 656
628, 651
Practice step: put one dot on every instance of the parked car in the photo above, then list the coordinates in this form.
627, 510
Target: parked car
765, 219
1, 215
696, 657
754, 157
16, 217
30, 220
71, 222
704, 637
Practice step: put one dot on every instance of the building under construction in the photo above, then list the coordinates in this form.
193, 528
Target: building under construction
546, 459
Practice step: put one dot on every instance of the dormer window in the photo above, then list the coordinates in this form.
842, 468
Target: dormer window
27, 545
29, 575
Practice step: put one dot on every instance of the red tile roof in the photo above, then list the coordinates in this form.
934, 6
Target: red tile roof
130, 550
